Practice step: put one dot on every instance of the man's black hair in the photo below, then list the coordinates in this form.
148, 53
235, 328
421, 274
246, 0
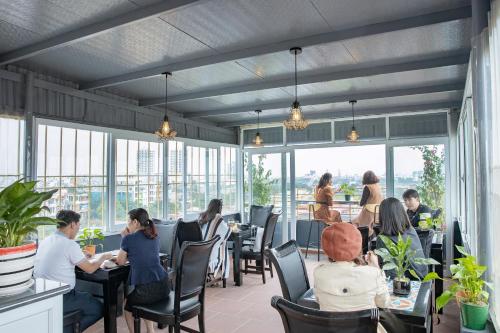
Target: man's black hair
411, 193
66, 217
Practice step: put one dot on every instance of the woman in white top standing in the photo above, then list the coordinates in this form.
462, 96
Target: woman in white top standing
349, 282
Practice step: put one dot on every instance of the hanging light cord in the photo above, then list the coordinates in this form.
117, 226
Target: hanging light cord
352, 108
166, 93
258, 120
295, 75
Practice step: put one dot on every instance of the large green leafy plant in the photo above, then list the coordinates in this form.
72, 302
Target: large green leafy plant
19, 205
469, 287
398, 256
431, 187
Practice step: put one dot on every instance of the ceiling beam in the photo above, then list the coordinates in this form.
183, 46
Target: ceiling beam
328, 37
347, 113
458, 58
94, 29
327, 99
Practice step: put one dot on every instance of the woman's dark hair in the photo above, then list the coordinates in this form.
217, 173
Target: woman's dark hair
142, 216
393, 217
369, 177
214, 208
325, 179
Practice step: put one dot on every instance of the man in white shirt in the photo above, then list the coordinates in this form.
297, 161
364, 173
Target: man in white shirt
56, 259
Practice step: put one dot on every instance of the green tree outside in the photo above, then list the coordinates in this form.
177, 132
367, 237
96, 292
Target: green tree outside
432, 182
262, 182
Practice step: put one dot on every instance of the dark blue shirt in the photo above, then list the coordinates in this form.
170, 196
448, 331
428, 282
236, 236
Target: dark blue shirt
144, 256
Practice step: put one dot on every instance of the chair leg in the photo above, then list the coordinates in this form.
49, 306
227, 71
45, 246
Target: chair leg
76, 327
201, 322
170, 329
308, 237
270, 267
246, 266
177, 328
223, 282
137, 324
263, 269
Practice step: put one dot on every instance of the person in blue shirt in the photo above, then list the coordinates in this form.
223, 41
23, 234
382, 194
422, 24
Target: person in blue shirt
141, 247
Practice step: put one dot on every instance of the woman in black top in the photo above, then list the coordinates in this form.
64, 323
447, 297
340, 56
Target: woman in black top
141, 247
393, 222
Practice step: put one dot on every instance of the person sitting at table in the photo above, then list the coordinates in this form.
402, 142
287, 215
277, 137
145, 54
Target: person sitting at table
148, 279
393, 222
370, 200
323, 195
414, 207
349, 282
209, 228
56, 258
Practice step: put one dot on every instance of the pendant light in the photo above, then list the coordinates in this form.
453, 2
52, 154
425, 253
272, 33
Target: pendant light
257, 141
296, 120
165, 132
353, 135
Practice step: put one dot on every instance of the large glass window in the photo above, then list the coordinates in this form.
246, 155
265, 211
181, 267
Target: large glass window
212, 173
421, 168
73, 161
11, 150
175, 179
196, 160
139, 178
343, 163
228, 178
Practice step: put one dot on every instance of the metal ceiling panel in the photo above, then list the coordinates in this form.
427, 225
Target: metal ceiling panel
124, 49
411, 43
49, 18
196, 105
153, 87
232, 24
345, 14
337, 87
13, 36
312, 59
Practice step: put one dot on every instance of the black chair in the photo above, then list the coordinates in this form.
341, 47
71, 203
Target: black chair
425, 236
166, 234
436, 213
292, 271
188, 298
260, 214
299, 319
73, 319
365, 235
260, 257
185, 232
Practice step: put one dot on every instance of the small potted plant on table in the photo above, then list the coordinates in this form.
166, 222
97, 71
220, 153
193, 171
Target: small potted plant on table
19, 205
87, 239
348, 190
398, 256
469, 291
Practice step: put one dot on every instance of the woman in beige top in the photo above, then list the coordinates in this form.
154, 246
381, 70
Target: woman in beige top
347, 282
323, 195
370, 201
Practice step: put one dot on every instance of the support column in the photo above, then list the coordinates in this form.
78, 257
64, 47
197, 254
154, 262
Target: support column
29, 130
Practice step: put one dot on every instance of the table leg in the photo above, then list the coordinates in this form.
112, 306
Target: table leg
438, 286
238, 281
110, 293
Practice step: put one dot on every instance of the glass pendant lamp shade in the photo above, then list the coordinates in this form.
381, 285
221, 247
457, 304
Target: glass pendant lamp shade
353, 136
165, 132
257, 141
296, 120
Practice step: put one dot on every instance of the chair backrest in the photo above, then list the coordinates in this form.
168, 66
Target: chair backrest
365, 235
299, 319
192, 269
269, 228
426, 236
184, 231
291, 269
166, 233
436, 213
260, 214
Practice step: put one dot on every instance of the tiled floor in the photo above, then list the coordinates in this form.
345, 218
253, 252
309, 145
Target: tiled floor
247, 309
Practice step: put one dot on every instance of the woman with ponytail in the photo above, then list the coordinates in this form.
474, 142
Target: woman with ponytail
148, 279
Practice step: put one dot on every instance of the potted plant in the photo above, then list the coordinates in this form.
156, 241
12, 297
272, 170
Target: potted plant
348, 190
19, 205
87, 239
468, 290
398, 256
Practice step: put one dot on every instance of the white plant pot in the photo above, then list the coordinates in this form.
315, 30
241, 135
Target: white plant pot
16, 268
